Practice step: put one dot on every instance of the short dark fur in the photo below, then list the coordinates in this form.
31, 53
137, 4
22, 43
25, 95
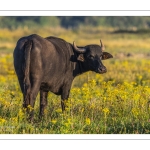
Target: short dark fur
51, 64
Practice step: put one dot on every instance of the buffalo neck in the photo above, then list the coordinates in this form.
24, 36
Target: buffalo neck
79, 68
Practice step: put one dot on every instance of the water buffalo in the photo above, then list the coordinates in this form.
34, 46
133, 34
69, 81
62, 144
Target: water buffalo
51, 64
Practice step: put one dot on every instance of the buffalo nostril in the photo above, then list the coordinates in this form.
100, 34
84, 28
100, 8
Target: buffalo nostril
103, 69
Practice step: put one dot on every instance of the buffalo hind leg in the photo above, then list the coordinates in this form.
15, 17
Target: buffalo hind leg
43, 102
31, 95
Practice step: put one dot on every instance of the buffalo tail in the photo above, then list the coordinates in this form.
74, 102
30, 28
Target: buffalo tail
27, 84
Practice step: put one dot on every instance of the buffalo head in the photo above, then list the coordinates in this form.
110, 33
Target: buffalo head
91, 57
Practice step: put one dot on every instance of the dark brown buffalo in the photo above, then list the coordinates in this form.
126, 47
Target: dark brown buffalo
51, 64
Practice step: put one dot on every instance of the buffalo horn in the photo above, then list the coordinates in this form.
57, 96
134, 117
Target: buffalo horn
102, 46
79, 50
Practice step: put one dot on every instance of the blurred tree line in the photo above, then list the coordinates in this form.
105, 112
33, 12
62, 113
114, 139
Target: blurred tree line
119, 22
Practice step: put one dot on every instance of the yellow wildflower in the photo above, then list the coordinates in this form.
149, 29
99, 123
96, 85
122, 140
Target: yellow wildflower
58, 110
54, 121
106, 110
88, 121
2, 120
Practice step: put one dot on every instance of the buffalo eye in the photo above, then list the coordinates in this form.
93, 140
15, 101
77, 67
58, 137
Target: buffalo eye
91, 57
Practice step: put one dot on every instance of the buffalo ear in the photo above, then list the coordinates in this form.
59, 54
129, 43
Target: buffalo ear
106, 56
80, 57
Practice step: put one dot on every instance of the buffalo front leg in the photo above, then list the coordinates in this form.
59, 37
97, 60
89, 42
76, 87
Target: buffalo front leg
43, 102
63, 105
64, 98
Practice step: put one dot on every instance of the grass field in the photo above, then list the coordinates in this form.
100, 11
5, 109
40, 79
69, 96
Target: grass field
116, 102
